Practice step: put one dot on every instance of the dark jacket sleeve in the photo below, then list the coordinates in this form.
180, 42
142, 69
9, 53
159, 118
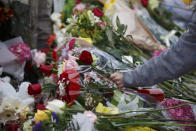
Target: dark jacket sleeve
179, 59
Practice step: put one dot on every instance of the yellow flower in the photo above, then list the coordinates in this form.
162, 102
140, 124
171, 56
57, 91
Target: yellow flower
106, 6
42, 115
89, 40
153, 4
103, 109
187, 1
112, 1
138, 129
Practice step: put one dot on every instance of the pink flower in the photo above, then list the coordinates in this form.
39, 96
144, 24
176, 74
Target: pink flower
22, 51
71, 44
101, 24
79, 7
157, 53
71, 63
180, 113
39, 58
91, 116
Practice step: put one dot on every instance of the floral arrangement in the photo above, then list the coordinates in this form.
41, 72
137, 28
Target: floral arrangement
74, 92
5, 14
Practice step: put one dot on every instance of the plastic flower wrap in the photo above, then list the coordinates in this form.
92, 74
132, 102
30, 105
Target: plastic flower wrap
82, 122
126, 102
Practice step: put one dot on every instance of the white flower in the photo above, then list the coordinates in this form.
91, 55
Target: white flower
72, 20
62, 88
93, 19
8, 115
39, 58
27, 126
13, 103
55, 106
60, 69
55, 17
10, 109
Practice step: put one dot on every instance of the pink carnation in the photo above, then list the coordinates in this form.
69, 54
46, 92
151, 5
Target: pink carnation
22, 51
180, 113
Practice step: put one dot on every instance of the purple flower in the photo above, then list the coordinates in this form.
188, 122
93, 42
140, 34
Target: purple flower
55, 117
38, 126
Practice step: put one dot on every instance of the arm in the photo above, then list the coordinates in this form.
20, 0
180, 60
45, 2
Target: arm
180, 59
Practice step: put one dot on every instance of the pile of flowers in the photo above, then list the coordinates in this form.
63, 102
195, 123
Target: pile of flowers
74, 91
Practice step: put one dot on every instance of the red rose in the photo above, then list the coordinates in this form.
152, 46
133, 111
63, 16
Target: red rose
46, 69
51, 39
71, 44
12, 127
97, 12
144, 3
77, 2
41, 107
34, 89
55, 56
86, 58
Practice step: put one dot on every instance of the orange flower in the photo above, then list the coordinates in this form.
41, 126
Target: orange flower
51, 39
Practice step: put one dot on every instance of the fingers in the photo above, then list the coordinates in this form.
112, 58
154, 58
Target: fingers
117, 78
114, 76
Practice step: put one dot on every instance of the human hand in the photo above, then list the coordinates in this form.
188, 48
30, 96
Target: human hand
118, 79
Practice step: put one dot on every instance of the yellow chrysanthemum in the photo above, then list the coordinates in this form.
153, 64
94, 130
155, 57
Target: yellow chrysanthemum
103, 109
187, 1
138, 129
89, 40
42, 115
